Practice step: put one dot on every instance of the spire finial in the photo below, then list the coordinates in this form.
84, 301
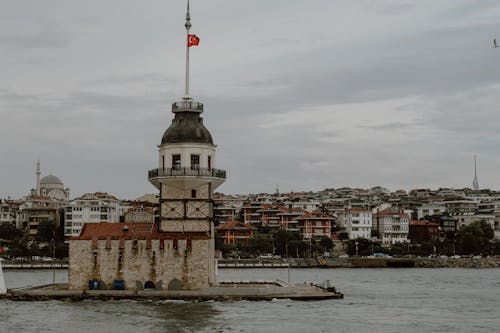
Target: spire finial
188, 18
475, 182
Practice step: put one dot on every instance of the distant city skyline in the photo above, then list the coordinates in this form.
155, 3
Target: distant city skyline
319, 94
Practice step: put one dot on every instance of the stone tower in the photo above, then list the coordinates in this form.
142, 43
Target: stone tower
186, 178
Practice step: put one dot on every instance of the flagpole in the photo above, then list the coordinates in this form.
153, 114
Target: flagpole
188, 26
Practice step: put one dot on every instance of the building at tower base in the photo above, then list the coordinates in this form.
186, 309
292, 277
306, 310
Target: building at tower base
137, 256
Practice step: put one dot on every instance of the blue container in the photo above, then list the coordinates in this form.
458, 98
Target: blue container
94, 284
119, 285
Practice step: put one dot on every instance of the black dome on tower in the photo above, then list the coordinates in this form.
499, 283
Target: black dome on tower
187, 126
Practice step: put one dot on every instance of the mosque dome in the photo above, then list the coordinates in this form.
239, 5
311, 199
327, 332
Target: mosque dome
187, 127
51, 179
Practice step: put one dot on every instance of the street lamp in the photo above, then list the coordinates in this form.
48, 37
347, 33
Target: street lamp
53, 258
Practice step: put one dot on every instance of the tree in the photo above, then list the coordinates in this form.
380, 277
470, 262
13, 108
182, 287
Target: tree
19, 248
475, 238
263, 229
282, 239
326, 244
46, 231
219, 242
399, 249
259, 244
495, 248
364, 247
9, 232
298, 248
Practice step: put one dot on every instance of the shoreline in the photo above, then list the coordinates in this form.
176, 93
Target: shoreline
305, 263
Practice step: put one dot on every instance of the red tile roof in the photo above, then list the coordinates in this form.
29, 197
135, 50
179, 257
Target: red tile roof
105, 230
234, 225
387, 212
423, 223
315, 215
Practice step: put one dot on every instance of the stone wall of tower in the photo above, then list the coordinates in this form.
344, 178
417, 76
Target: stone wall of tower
180, 212
167, 263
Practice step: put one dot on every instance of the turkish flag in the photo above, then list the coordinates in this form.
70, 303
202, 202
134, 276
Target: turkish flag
193, 40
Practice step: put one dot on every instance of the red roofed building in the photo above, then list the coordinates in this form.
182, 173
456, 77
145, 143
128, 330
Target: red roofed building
234, 232
288, 219
315, 224
250, 214
136, 253
269, 215
425, 231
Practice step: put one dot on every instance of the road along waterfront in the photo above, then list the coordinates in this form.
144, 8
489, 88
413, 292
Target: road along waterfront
308, 263
376, 300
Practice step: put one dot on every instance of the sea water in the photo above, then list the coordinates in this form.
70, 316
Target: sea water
376, 300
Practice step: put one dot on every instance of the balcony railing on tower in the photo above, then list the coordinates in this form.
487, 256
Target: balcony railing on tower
187, 105
181, 172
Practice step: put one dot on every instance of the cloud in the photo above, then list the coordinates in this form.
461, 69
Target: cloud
45, 37
320, 94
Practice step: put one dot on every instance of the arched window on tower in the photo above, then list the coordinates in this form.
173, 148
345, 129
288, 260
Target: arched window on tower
176, 161
195, 162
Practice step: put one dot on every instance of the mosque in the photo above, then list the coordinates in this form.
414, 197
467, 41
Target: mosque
49, 186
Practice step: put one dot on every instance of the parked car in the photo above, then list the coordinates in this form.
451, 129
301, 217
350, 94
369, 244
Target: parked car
343, 256
265, 256
456, 256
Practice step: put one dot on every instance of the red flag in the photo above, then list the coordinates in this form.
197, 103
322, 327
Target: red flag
193, 40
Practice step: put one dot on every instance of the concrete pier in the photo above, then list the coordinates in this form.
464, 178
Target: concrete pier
226, 291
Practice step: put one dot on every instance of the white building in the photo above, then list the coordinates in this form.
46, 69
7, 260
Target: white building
356, 221
90, 208
429, 209
461, 206
468, 218
306, 205
392, 226
7, 212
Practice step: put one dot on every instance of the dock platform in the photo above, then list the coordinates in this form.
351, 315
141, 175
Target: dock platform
225, 291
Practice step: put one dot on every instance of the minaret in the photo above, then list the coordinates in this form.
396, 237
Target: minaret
186, 178
38, 173
475, 182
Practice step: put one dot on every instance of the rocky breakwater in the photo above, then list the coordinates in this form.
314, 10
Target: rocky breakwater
457, 263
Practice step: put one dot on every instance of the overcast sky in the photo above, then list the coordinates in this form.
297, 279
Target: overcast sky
301, 94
